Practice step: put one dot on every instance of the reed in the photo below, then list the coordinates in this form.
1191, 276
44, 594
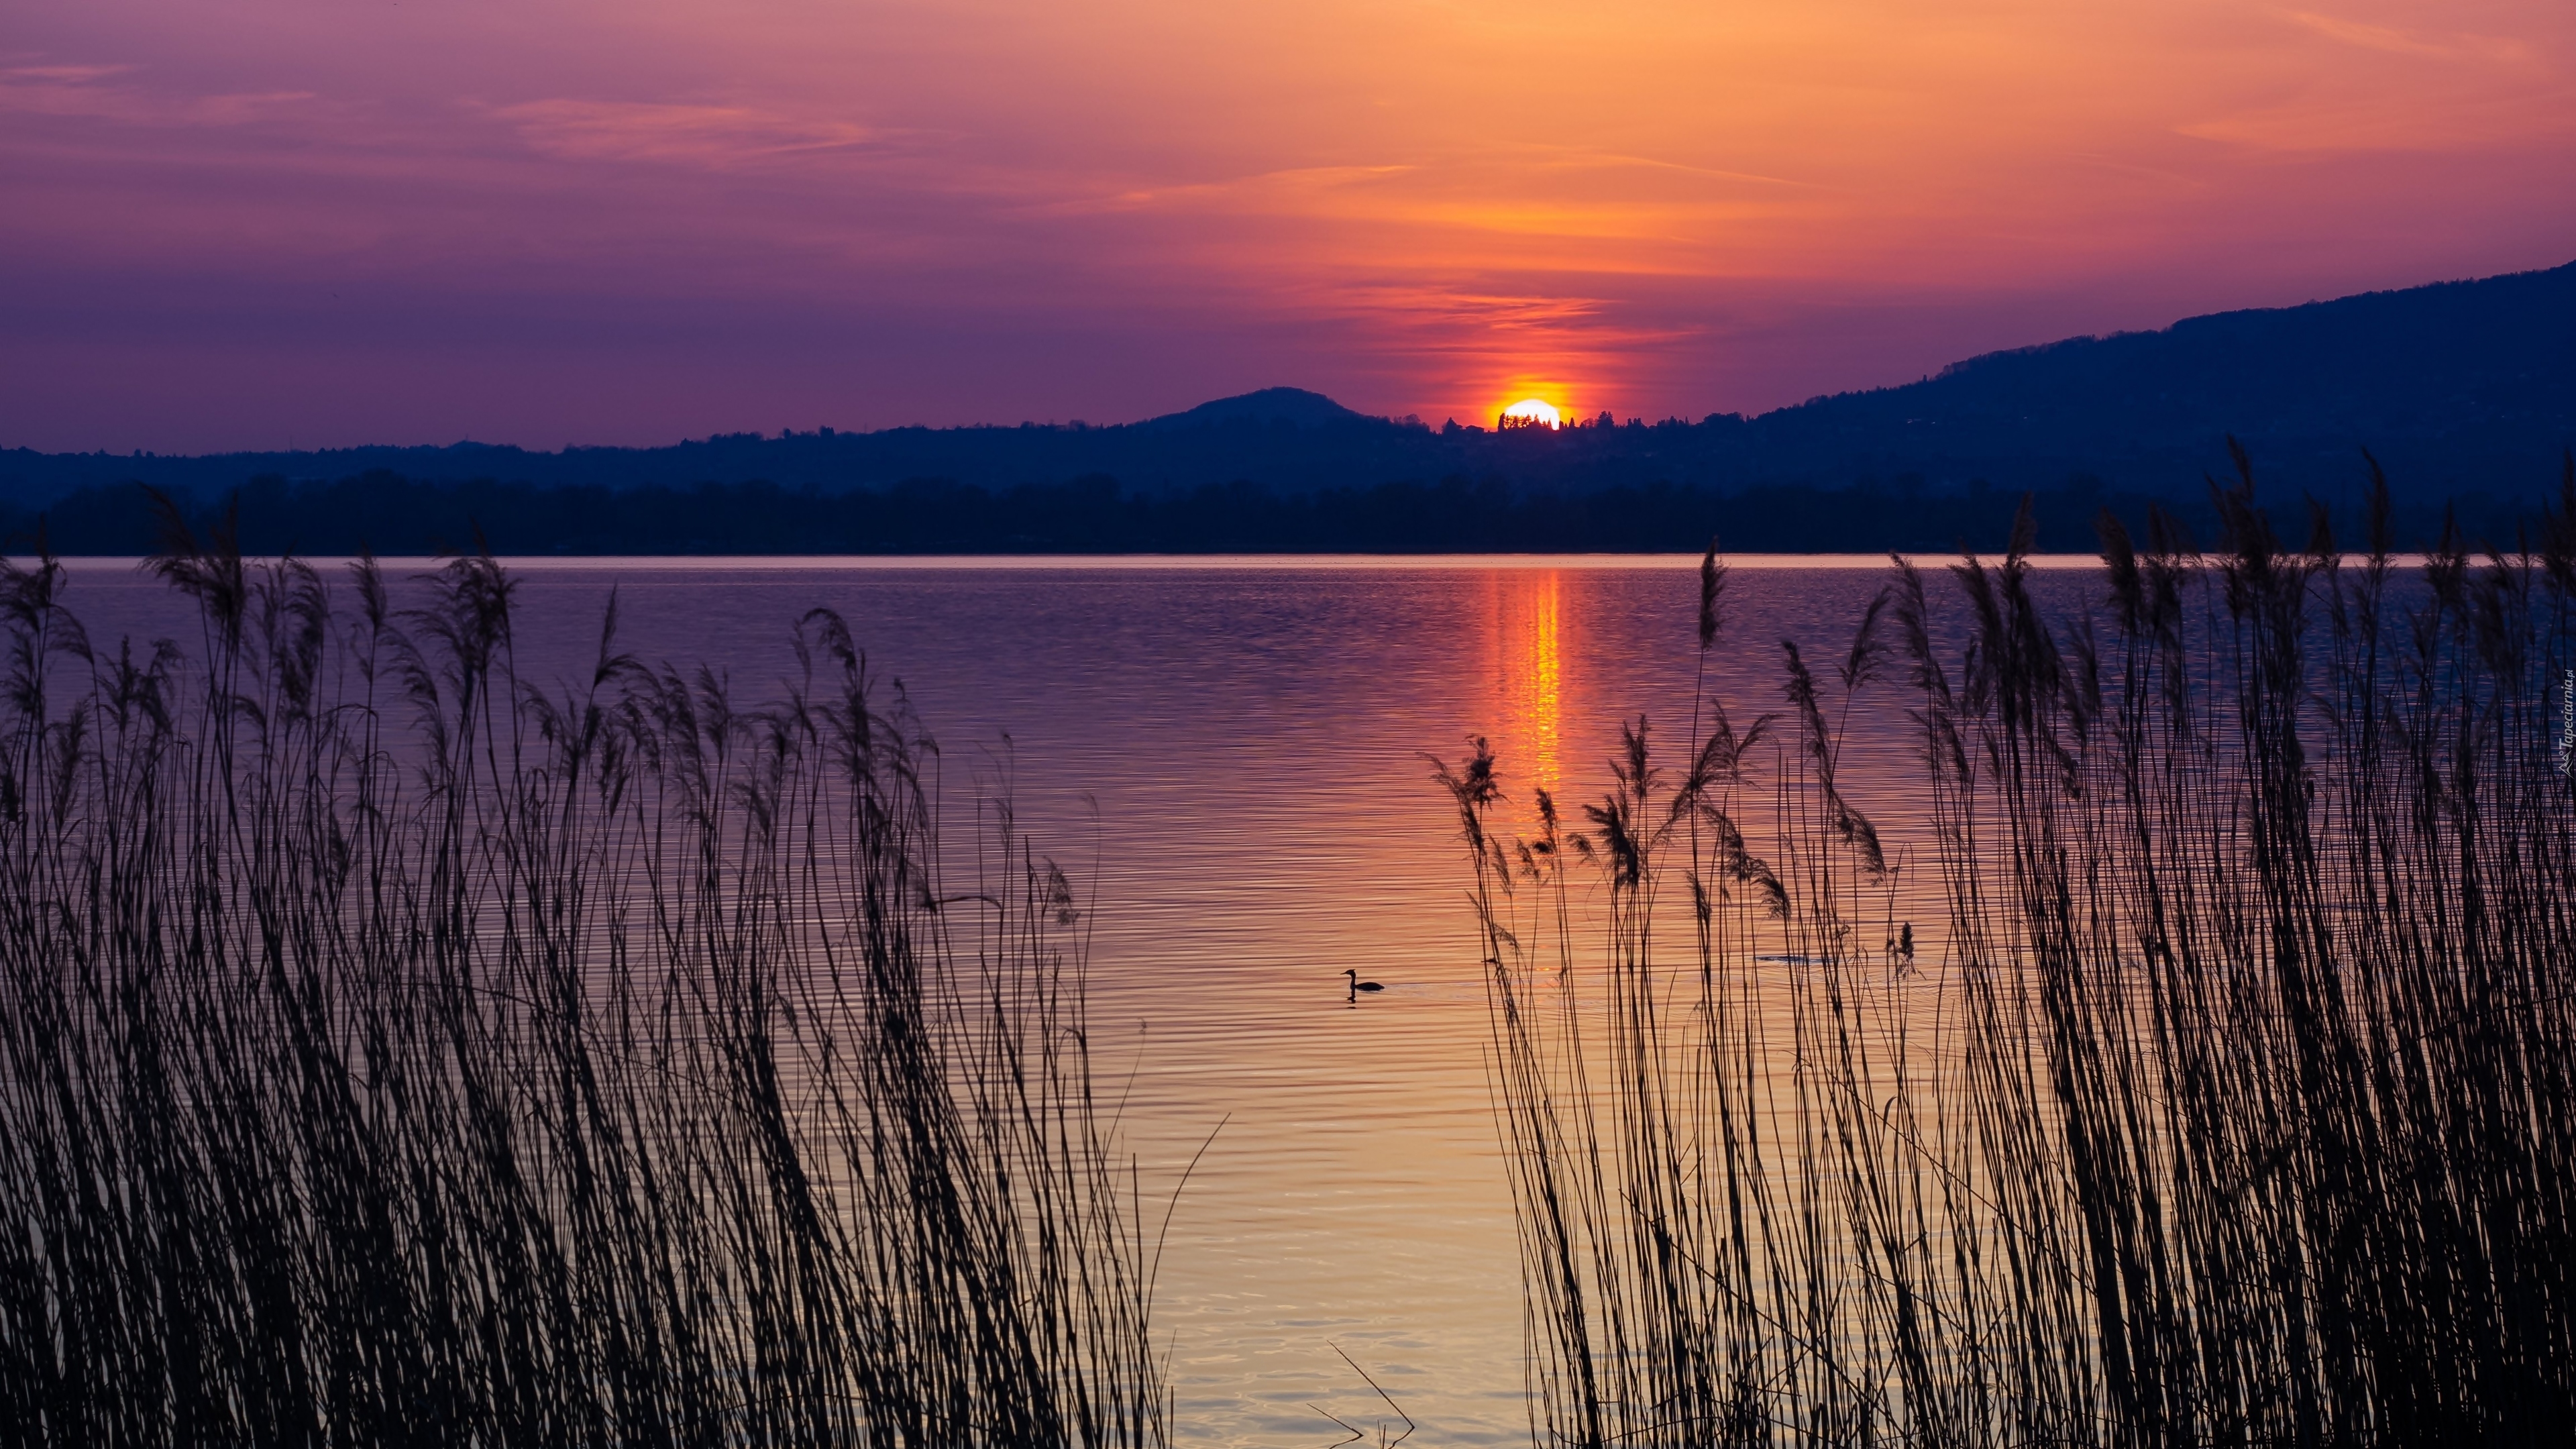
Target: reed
399, 1050
2230, 1100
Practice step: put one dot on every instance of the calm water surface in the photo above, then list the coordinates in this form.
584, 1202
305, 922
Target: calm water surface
1231, 752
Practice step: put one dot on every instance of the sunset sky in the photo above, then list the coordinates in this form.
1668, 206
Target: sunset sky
264, 223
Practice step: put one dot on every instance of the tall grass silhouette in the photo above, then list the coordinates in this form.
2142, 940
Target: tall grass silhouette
399, 1050
2232, 1104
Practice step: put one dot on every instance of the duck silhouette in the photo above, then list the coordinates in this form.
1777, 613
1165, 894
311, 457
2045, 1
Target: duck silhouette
1358, 986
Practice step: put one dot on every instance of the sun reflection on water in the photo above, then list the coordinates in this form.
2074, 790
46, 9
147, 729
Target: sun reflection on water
1529, 668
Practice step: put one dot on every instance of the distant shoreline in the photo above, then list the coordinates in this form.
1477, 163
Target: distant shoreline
1148, 563
389, 515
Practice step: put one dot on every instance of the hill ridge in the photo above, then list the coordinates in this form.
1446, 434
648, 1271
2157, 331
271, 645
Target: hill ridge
2454, 384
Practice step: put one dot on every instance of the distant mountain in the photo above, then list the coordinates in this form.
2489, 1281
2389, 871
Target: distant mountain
2459, 387
2459, 384
1292, 405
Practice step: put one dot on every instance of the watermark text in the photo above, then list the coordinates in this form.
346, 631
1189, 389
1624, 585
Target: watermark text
2567, 723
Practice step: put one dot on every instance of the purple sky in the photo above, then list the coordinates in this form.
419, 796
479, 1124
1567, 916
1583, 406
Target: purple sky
265, 224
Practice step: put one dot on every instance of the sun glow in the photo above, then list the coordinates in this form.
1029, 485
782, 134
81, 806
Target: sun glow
1531, 412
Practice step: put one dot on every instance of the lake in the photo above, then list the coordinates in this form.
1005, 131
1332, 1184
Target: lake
1229, 756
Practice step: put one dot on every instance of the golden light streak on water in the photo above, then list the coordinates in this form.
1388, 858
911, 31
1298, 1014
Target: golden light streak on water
1529, 664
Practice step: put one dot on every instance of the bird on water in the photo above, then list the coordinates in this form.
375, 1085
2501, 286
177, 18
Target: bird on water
1358, 986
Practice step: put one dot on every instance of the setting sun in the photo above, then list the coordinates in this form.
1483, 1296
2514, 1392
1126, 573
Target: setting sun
1530, 412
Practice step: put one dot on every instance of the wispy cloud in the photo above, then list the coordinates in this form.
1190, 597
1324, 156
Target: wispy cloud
60, 74
2438, 45
2329, 126
1292, 189
1575, 158
2434, 91
82, 91
1442, 306
690, 135
1443, 210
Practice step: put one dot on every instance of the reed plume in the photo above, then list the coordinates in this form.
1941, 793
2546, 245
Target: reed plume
2231, 1105
396, 1049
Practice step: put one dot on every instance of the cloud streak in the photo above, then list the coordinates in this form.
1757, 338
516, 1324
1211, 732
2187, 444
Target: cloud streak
691, 135
2437, 45
75, 91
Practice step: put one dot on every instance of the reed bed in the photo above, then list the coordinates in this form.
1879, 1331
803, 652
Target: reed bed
2228, 1101
396, 1050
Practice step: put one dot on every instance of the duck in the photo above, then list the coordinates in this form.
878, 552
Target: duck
1358, 986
